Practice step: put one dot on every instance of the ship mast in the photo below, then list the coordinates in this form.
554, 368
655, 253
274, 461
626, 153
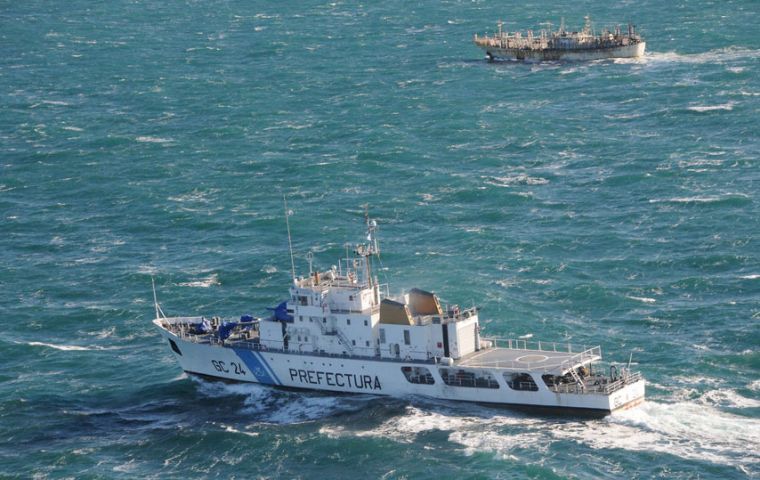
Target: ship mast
366, 251
288, 213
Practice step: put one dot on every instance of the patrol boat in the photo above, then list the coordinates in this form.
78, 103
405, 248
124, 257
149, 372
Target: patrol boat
562, 45
341, 331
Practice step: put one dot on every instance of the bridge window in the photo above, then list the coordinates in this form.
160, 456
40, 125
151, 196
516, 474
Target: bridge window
458, 377
419, 375
521, 381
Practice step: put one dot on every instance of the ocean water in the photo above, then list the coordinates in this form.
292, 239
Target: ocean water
611, 203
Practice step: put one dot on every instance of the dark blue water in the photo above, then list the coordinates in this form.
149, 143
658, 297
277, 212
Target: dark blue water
611, 203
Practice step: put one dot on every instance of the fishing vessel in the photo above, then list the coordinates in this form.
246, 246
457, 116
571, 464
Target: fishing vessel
562, 44
340, 330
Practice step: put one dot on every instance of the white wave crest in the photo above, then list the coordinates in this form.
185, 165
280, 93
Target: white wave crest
690, 430
726, 397
148, 139
203, 283
702, 199
67, 348
283, 408
720, 55
519, 179
687, 430
230, 429
642, 299
711, 108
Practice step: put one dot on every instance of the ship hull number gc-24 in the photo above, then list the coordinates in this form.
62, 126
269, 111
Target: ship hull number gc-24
233, 367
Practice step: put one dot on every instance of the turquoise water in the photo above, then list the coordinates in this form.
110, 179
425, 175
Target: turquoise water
610, 203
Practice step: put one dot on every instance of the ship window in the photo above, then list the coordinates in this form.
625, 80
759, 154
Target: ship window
303, 300
365, 323
367, 343
419, 375
521, 381
407, 340
300, 318
348, 321
353, 342
468, 378
299, 338
305, 338
350, 298
382, 335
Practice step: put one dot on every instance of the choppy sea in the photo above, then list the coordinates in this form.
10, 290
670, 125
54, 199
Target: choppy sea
612, 203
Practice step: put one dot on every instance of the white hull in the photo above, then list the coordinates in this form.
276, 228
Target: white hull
627, 51
380, 377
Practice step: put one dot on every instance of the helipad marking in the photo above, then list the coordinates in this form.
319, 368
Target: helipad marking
532, 358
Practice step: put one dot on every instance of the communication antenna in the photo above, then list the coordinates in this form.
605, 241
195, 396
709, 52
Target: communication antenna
159, 312
288, 213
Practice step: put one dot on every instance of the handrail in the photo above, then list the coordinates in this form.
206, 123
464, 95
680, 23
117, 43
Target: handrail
294, 348
538, 345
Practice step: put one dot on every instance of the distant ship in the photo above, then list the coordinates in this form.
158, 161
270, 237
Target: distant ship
562, 45
339, 330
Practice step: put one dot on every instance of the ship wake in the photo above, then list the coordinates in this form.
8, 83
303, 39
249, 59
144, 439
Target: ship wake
695, 430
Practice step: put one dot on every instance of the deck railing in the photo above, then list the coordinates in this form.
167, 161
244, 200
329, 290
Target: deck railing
598, 384
297, 348
538, 345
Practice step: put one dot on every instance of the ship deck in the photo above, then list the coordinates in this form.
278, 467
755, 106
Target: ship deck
530, 359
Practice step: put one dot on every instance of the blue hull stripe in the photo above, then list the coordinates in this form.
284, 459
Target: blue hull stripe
255, 366
268, 367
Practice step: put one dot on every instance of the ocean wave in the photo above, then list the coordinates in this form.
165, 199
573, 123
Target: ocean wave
729, 197
268, 405
231, 429
519, 179
719, 55
147, 270
690, 430
203, 283
712, 108
641, 299
727, 397
67, 348
148, 139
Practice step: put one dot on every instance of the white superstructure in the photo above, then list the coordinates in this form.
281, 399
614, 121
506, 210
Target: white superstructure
340, 330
